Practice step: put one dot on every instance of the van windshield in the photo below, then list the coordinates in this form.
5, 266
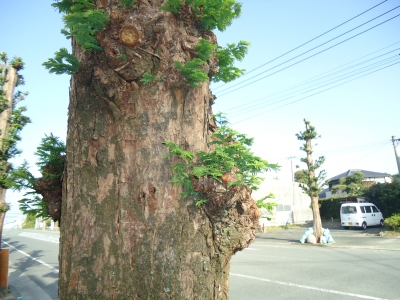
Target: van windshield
349, 210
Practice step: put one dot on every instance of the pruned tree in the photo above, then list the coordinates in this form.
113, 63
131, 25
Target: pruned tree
140, 82
313, 181
12, 121
352, 185
43, 195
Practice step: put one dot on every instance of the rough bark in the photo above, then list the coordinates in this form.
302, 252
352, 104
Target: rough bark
50, 188
10, 77
126, 231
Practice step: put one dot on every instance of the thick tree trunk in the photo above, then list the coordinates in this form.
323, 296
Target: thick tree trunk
126, 231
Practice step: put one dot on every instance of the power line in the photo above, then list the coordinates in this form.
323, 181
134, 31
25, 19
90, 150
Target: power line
368, 154
347, 150
330, 81
240, 87
307, 42
316, 93
247, 105
366, 68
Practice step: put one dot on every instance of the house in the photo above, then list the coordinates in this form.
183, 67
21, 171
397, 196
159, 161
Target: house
370, 178
293, 203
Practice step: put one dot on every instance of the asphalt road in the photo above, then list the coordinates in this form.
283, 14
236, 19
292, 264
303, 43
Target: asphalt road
33, 259
277, 266
358, 265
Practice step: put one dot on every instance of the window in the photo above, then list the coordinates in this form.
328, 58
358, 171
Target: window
282, 207
374, 209
368, 209
349, 209
362, 209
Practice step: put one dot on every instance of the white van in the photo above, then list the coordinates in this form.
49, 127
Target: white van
360, 215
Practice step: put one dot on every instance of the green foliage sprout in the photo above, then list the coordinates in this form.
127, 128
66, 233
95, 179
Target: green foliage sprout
226, 57
204, 49
50, 152
127, 3
82, 21
147, 78
269, 206
173, 6
231, 152
211, 14
192, 73
122, 57
201, 202
58, 66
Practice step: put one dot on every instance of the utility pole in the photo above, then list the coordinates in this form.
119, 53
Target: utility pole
395, 143
293, 202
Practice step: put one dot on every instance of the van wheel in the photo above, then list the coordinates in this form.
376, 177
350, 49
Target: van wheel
364, 226
381, 223
346, 227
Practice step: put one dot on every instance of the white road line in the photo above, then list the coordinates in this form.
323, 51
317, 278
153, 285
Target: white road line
31, 257
307, 287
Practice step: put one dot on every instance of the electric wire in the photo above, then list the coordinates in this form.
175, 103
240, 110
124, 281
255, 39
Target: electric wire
240, 87
347, 150
330, 82
306, 42
253, 104
315, 78
314, 94
368, 154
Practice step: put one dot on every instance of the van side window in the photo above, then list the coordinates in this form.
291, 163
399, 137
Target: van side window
362, 209
368, 209
349, 210
374, 209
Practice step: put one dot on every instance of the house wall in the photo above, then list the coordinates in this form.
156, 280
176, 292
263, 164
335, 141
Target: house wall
293, 203
368, 181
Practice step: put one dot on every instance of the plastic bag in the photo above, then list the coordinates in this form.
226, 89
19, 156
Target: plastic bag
322, 240
303, 239
309, 231
311, 239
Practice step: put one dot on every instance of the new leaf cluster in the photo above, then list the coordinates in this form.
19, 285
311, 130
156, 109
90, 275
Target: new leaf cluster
230, 152
62, 63
50, 152
212, 14
82, 21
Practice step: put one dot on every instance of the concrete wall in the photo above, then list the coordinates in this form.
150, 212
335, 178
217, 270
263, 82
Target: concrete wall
293, 203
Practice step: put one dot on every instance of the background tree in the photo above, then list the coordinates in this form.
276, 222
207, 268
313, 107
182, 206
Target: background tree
386, 196
313, 181
43, 195
12, 121
141, 72
351, 185
301, 176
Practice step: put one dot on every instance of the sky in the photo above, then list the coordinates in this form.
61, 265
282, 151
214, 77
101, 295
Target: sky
315, 60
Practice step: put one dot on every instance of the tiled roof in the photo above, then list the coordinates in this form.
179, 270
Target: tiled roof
367, 174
